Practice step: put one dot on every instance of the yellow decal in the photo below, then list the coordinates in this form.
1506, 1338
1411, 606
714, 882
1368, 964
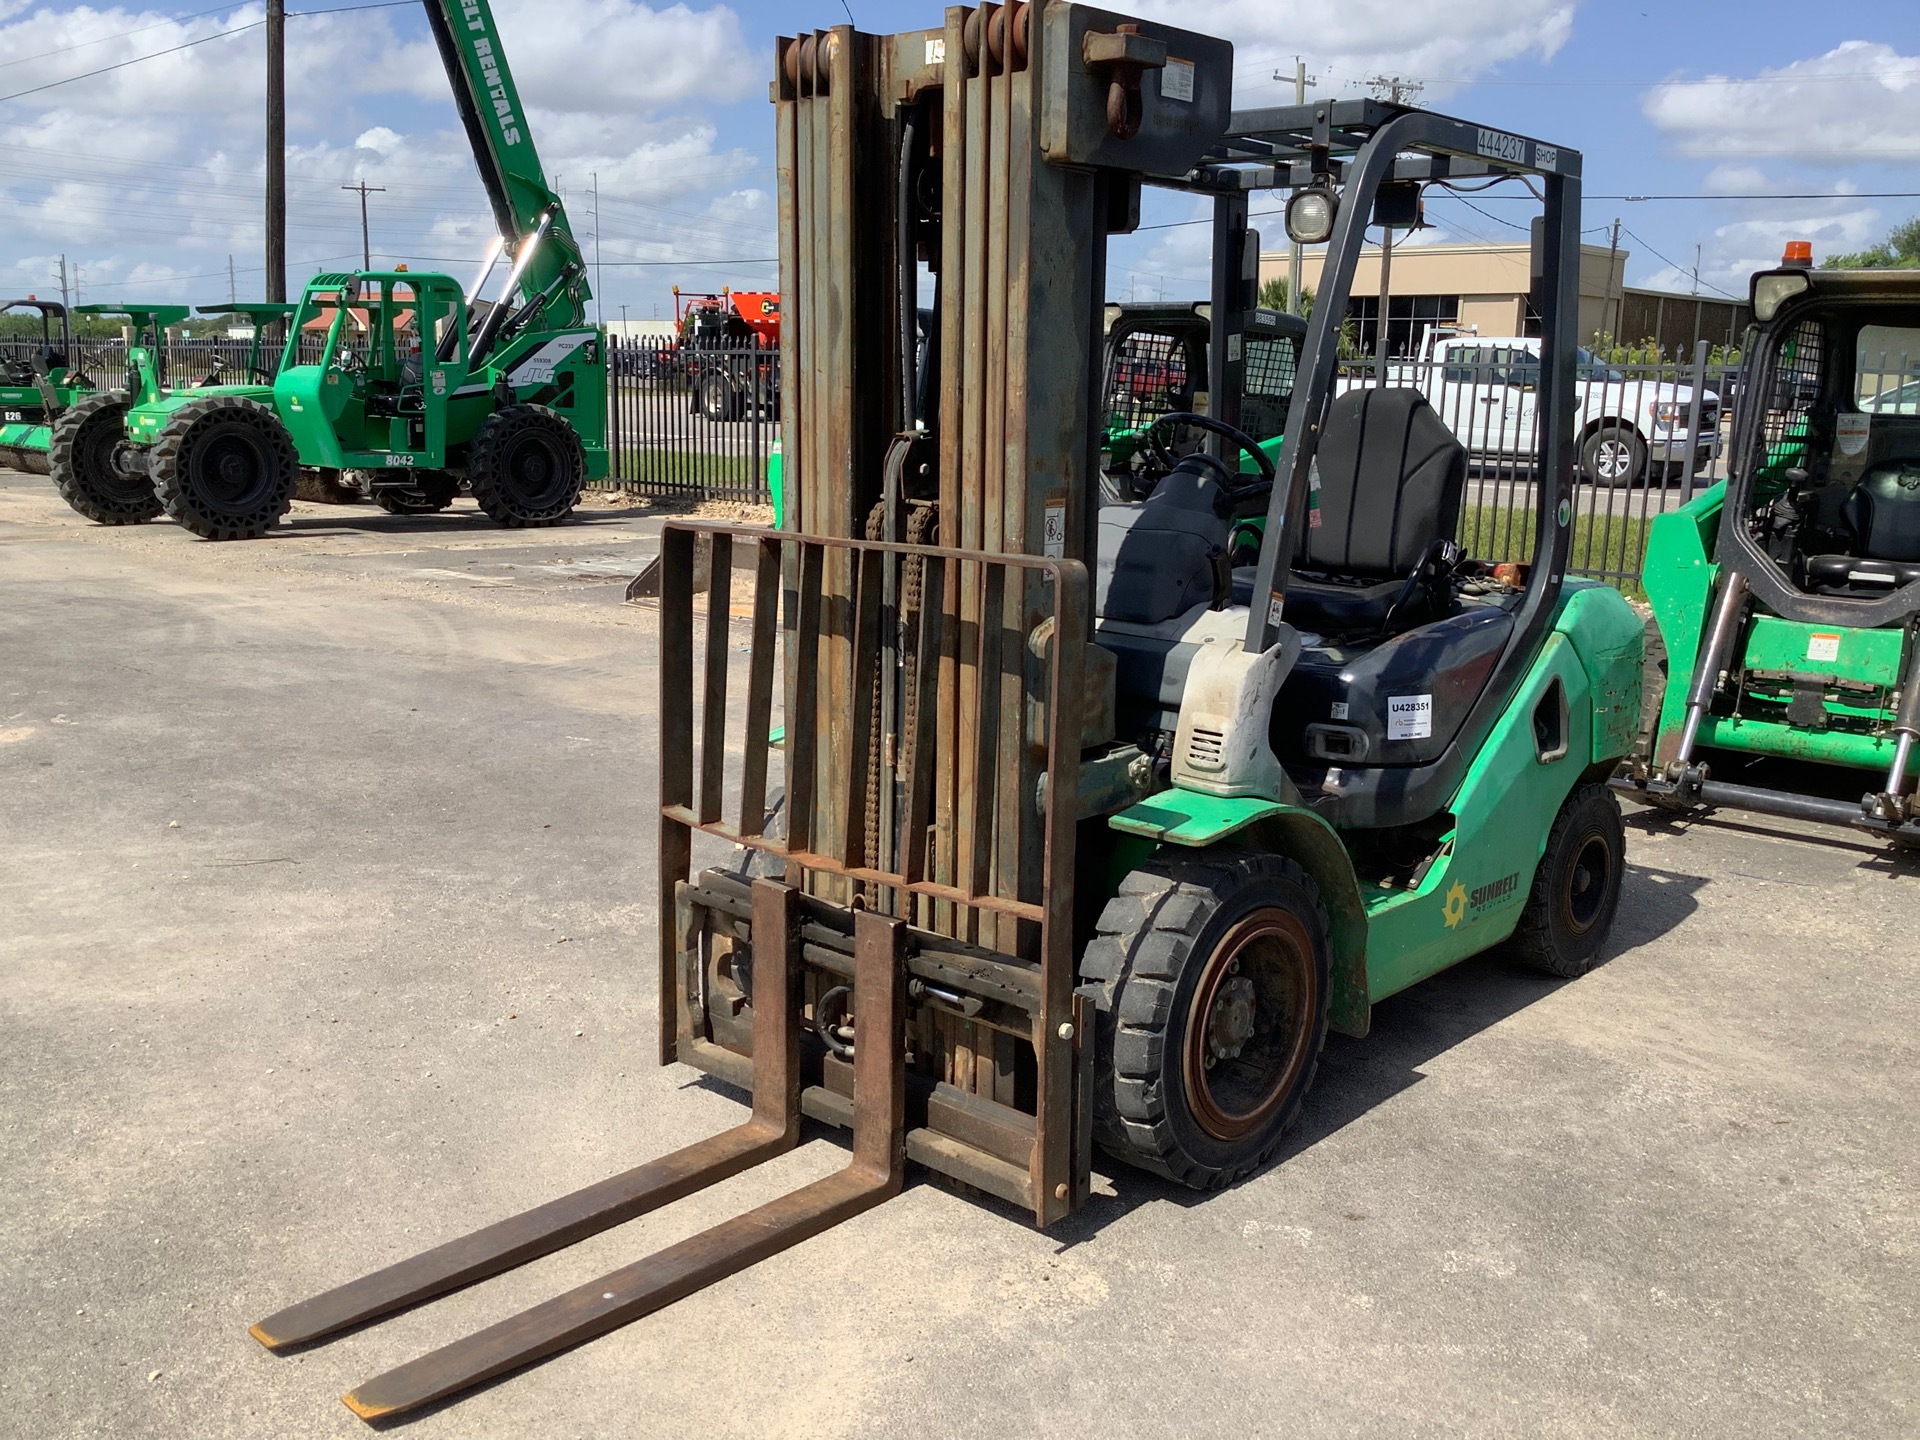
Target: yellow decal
1455, 909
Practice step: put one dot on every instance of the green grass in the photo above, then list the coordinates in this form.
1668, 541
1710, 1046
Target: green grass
1600, 542
691, 468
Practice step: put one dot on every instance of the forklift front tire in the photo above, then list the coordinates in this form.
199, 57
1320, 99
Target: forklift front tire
1576, 890
87, 459
1211, 973
526, 467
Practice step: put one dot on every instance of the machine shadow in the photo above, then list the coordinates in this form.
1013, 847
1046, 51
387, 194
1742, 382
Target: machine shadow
371, 520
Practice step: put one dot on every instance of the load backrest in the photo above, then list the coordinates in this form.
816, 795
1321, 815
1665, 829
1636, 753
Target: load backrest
1392, 477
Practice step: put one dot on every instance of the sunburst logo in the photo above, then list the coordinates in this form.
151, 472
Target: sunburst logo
1455, 909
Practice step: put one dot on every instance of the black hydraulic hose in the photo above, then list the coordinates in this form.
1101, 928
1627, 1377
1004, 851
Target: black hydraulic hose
909, 286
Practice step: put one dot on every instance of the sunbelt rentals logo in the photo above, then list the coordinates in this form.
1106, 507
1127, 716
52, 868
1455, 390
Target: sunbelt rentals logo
1463, 903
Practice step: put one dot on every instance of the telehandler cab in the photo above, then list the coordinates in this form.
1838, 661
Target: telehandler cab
35, 388
1788, 597
1080, 836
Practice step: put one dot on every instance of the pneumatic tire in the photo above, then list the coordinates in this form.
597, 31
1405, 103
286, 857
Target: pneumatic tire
1576, 890
526, 466
1211, 974
1613, 457
225, 468
87, 457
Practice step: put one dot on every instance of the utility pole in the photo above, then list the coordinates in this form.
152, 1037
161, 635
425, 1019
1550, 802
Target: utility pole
366, 244
1396, 90
1609, 311
1696, 270
276, 149
599, 293
60, 274
1301, 80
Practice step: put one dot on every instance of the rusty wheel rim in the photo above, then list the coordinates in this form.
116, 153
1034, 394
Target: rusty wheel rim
1583, 892
1248, 1029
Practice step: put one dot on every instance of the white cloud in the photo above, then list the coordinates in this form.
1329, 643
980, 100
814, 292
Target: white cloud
1347, 40
150, 175
1860, 100
1730, 253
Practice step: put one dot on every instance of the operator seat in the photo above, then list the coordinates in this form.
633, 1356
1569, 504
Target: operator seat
1392, 477
1883, 515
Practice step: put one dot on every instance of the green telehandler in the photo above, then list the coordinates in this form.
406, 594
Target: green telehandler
1788, 596
404, 378
35, 388
1081, 837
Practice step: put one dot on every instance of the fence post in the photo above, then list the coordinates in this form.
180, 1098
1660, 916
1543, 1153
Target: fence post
1700, 349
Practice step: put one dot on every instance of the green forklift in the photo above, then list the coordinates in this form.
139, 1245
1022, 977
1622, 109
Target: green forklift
404, 378
1076, 835
1788, 596
36, 387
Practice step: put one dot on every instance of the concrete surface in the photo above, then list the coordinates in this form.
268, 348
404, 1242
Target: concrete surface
325, 934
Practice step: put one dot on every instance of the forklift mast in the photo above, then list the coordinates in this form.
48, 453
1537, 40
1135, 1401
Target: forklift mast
554, 275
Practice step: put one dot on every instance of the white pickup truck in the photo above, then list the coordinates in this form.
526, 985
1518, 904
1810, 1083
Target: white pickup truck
1626, 428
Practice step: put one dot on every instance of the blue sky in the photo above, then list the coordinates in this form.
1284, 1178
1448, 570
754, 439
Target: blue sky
148, 177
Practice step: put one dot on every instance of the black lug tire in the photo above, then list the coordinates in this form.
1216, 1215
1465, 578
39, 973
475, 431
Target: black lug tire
1594, 468
526, 466
1567, 919
431, 492
81, 458
1159, 940
225, 468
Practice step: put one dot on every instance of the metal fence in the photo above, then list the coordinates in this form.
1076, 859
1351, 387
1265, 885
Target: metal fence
184, 362
697, 422
1649, 437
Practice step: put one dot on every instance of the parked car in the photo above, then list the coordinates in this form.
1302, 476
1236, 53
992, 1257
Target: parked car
1627, 426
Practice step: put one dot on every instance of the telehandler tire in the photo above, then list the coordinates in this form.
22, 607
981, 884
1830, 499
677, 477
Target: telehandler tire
1212, 975
87, 459
1576, 890
225, 468
526, 466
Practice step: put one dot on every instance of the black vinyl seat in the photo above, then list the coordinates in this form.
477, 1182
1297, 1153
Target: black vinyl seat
1392, 479
1883, 515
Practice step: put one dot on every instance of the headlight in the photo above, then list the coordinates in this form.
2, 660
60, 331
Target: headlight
1668, 414
1310, 215
1772, 289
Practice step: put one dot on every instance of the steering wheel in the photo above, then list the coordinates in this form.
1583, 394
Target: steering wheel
1218, 427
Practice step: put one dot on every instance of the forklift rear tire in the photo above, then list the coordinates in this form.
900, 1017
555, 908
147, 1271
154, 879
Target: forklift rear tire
87, 459
1212, 980
526, 466
225, 468
1576, 890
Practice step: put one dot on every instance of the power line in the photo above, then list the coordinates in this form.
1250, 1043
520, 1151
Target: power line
109, 69
119, 35
186, 45
1679, 269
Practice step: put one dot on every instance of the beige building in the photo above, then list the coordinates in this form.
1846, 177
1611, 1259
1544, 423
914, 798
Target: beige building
1485, 287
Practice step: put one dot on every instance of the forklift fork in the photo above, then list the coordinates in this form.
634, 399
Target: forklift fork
594, 1309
